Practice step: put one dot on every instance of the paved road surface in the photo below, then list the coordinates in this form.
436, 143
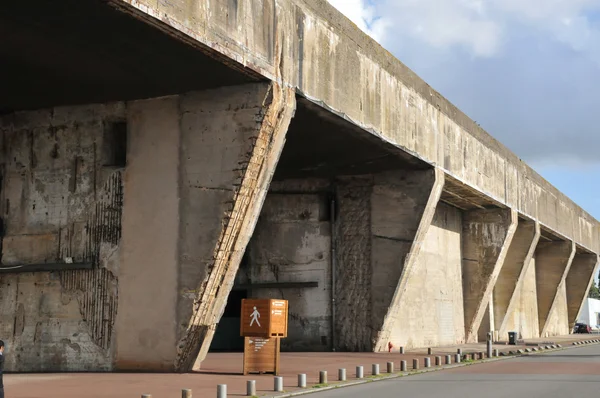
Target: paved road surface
564, 374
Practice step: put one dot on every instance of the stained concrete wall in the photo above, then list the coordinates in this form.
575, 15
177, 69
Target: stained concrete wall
61, 202
292, 243
309, 45
431, 312
523, 317
558, 320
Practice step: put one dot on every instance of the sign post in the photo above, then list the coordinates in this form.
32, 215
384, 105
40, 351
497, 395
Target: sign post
264, 322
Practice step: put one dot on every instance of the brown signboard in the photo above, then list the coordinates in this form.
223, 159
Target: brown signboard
261, 355
264, 318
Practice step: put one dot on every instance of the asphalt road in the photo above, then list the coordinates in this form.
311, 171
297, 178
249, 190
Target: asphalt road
573, 372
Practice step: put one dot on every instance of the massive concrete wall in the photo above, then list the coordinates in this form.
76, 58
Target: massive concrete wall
431, 313
292, 243
308, 45
61, 203
523, 314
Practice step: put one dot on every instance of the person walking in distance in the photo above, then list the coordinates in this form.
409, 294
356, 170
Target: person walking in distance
1, 368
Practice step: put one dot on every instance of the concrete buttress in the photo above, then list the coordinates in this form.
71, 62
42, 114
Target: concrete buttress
553, 260
487, 236
513, 273
397, 240
224, 145
582, 272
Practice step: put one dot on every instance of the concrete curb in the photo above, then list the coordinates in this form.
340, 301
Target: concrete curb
367, 379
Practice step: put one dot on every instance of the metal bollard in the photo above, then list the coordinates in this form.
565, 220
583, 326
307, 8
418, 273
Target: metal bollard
459, 351
415, 364
495, 352
429, 351
323, 377
438, 361
186, 393
302, 380
401, 350
489, 348
342, 374
480, 355
278, 383
146, 396
427, 362
360, 372
448, 359
403, 367
456, 358
390, 367
375, 369
251, 388
222, 391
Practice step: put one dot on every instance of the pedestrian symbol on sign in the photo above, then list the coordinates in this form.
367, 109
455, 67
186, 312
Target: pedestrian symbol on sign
255, 315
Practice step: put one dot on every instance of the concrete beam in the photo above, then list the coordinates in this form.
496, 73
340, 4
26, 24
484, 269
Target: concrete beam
514, 271
407, 247
553, 261
579, 281
487, 235
205, 160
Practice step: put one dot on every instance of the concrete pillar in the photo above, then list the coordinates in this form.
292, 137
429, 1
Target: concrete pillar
403, 207
553, 261
581, 275
487, 235
205, 160
512, 274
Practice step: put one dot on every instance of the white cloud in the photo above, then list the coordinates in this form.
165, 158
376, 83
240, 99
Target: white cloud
363, 15
478, 26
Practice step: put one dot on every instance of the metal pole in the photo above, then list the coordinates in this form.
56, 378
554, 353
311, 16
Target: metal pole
342, 374
359, 372
415, 364
448, 359
278, 384
323, 377
333, 269
251, 388
489, 345
390, 367
222, 391
427, 362
375, 369
302, 380
403, 366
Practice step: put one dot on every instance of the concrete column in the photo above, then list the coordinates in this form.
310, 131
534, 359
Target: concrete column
514, 271
553, 261
403, 206
581, 275
146, 335
487, 235
190, 208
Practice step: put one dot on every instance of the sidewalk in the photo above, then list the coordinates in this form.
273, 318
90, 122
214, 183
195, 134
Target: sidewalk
226, 369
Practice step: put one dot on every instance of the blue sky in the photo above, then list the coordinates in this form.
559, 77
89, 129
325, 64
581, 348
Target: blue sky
528, 71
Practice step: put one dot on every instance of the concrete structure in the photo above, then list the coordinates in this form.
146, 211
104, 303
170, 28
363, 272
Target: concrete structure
590, 313
165, 156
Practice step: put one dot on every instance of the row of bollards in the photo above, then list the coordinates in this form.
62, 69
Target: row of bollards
323, 379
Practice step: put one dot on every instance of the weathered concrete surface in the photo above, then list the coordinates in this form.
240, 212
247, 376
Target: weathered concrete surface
310, 46
508, 291
522, 315
552, 261
61, 202
405, 231
403, 206
149, 271
431, 311
292, 243
353, 277
582, 272
232, 139
487, 236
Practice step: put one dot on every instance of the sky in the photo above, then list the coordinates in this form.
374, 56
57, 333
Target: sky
528, 71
